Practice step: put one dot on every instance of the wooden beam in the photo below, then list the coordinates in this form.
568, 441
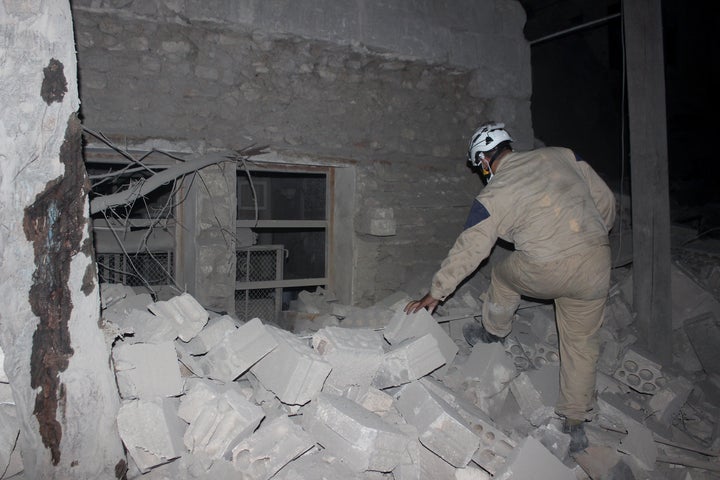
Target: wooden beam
649, 174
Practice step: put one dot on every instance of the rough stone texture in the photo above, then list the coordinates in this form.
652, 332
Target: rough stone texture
56, 358
145, 370
325, 83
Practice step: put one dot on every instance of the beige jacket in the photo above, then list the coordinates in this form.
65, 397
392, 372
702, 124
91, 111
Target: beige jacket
544, 201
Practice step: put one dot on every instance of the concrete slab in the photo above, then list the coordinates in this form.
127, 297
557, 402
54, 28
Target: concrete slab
640, 444
703, 332
370, 398
318, 465
534, 394
667, 402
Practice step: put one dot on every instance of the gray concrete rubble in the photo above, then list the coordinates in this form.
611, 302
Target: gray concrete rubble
393, 396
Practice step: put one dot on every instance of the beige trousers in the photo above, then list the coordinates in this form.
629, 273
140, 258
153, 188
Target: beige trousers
579, 286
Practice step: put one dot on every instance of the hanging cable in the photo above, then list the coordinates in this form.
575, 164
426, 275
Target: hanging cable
577, 27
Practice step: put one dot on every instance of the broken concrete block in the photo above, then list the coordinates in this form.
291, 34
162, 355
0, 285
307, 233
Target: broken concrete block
120, 308
531, 457
314, 302
361, 438
111, 293
440, 428
612, 350
222, 424
292, 371
238, 350
200, 392
704, 334
190, 366
147, 370
494, 446
270, 448
536, 393
408, 361
405, 326
189, 316
370, 398
668, 401
10, 458
354, 355
151, 431
211, 334
640, 373
146, 327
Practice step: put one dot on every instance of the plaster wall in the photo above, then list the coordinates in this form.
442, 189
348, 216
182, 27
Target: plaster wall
390, 90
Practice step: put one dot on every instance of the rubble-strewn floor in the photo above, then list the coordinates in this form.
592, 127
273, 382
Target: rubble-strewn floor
343, 392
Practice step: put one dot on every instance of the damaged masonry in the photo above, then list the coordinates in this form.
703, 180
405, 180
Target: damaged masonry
374, 393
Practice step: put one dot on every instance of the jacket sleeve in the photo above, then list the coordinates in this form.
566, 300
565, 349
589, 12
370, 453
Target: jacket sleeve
600, 192
471, 247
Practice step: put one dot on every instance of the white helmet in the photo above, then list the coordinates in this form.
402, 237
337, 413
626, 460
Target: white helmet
486, 137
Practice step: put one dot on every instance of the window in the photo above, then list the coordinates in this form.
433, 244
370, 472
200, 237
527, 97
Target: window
291, 227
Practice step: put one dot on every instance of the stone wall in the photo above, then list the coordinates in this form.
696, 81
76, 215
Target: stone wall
391, 89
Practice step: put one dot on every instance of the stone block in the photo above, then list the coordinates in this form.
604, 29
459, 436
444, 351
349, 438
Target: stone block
404, 326
200, 392
221, 424
554, 440
121, 307
189, 316
146, 370
354, 355
211, 334
270, 448
528, 459
639, 372
639, 443
440, 428
238, 350
408, 361
360, 437
151, 431
292, 371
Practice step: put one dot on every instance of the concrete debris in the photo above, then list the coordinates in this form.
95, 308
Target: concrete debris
373, 393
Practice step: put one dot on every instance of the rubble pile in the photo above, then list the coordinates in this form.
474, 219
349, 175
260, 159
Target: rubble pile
358, 393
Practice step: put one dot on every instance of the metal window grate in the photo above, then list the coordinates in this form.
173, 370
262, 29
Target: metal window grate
255, 265
157, 268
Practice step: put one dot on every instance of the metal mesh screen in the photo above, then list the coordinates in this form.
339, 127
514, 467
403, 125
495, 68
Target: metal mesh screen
157, 268
259, 302
260, 263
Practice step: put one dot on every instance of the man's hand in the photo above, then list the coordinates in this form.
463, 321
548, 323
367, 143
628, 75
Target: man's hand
426, 302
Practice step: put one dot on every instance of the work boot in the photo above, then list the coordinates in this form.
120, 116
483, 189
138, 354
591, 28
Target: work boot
576, 430
475, 331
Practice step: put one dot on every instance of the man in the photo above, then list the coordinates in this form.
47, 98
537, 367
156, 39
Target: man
557, 211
